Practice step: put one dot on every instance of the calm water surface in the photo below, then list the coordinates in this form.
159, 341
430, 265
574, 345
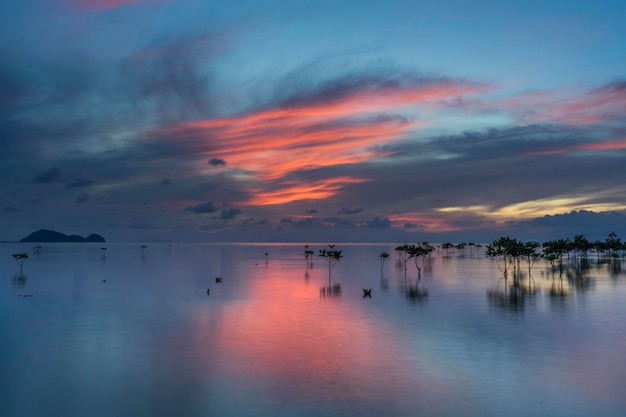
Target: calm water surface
127, 334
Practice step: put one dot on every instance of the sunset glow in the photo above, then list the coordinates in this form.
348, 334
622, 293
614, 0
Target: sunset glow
171, 120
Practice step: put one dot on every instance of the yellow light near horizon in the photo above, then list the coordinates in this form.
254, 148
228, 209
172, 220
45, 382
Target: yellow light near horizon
473, 209
536, 208
541, 207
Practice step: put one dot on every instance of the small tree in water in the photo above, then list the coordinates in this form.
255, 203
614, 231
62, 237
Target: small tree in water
419, 253
404, 255
20, 258
332, 256
383, 256
308, 256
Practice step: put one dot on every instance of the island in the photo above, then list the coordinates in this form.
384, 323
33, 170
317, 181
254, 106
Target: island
44, 235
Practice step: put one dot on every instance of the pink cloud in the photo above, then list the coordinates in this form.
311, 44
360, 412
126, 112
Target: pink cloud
592, 107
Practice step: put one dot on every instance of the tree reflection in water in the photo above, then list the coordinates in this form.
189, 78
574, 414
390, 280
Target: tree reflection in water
511, 299
18, 280
416, 294
330, 291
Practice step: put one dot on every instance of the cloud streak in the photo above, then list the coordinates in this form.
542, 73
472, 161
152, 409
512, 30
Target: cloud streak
565, 106
343, 123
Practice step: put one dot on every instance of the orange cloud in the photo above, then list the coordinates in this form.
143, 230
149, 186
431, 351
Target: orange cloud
297, 191
340, 128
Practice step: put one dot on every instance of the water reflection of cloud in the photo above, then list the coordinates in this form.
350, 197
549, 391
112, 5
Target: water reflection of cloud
282, 336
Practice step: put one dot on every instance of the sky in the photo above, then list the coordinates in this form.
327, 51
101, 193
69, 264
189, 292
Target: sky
313, 121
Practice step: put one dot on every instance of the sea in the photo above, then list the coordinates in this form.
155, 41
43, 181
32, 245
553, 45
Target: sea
210, 329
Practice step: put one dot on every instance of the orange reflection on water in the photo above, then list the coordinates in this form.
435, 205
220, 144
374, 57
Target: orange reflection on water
283, 331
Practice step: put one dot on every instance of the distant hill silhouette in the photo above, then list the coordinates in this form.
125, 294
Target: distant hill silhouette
44, 235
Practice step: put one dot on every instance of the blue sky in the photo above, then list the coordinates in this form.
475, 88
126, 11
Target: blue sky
313, 121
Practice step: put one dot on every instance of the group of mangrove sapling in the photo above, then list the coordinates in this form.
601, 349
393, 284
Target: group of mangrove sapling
508, 254
460, 247
418, 253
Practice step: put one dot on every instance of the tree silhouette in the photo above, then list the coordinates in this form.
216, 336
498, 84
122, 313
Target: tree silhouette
502, 250
419, 253
613, 244
446, 247
20, 258
332, 256
383, 257
554, 250
308, 256
404, 254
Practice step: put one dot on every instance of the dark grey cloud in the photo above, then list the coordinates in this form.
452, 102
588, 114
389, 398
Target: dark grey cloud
217, 162
143, 225
10, 209
208, 207
346, 210
378, 223
311, 211
79, 182
230, 213
595, 226
83, 198
165, 182
54, 174
254, 222
14, 92
214, 227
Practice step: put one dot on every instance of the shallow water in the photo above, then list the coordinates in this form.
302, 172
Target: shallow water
122, 334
